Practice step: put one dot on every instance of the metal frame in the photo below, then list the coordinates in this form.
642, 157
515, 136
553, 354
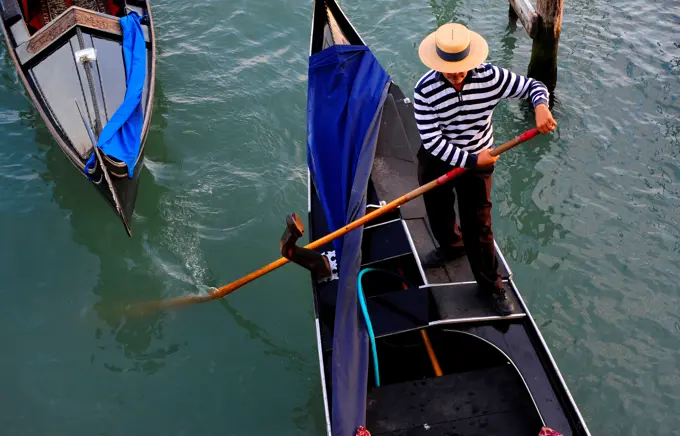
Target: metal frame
513, 365
363, 265
311, 33
323, 376
435, 285
550, 357
309, 192
477, 319
469, 282
382, 224
505, 264
319, 346
415, 254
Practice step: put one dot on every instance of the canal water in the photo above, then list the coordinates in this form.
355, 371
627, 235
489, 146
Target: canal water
588, 219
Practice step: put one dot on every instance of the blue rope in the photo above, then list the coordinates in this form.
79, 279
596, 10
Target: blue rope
367, 319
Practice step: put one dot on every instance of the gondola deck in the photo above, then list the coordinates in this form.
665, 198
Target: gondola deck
415, 408
499, 377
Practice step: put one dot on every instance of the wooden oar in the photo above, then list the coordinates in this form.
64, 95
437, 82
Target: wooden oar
231, 287
426, 339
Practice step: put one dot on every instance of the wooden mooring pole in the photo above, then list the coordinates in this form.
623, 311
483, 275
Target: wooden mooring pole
543, 25
543, 63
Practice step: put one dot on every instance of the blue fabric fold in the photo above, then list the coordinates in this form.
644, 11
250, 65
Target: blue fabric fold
122, 135
346, 92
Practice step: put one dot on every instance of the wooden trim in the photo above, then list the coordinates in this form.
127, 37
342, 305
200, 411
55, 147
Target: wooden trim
74, 16
527, 15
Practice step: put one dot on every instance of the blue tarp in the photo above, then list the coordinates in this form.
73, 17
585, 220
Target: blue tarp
122, 135
346, 91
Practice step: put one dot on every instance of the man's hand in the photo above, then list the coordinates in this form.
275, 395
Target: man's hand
545, 123
485, 160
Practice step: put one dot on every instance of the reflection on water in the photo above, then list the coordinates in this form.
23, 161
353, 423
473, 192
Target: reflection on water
309, 417
446, 11
508, 45
123, 272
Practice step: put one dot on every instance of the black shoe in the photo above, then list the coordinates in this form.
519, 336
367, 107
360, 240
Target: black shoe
502, 304
439, 256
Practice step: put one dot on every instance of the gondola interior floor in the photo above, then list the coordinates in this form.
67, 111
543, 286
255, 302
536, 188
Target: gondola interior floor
480, 402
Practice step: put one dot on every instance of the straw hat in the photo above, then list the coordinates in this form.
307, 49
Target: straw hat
453, 48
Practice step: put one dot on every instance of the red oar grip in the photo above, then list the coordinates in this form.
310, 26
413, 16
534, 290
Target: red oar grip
529, 134
514, 142
450, 175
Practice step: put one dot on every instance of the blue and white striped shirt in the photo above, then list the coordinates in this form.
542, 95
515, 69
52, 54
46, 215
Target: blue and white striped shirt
456, 125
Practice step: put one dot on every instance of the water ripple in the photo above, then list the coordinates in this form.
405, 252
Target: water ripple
587, 217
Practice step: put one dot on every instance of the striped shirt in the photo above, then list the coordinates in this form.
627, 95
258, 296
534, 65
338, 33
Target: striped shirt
456, 125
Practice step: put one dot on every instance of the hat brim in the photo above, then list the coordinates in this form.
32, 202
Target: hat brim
479, 50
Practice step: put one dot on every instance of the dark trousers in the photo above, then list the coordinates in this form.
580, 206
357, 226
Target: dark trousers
474, 206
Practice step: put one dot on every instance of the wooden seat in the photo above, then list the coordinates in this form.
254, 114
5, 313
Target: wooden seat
398, 311
466, 303
384, 242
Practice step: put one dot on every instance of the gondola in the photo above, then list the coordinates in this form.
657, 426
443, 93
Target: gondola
405, 350
71, 57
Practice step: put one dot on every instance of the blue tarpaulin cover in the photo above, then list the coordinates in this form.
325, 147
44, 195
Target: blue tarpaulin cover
346, 91
122, 135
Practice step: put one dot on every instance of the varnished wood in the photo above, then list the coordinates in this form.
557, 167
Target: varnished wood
436, 367
95, 5
74, 16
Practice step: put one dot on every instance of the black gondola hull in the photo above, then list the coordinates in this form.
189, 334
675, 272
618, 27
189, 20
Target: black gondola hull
73, 55
498, 376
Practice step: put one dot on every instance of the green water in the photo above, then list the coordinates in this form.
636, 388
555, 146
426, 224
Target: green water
588, 220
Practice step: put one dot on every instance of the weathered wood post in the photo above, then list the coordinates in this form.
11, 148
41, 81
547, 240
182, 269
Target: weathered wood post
524, 10
547, 28
512, 16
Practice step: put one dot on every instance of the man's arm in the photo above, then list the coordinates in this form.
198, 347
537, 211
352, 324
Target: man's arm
520, 87
433, 139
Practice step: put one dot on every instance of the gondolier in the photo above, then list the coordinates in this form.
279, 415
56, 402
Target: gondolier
454, 103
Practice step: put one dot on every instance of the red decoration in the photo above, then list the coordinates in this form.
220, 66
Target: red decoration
547, 431
361, 431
